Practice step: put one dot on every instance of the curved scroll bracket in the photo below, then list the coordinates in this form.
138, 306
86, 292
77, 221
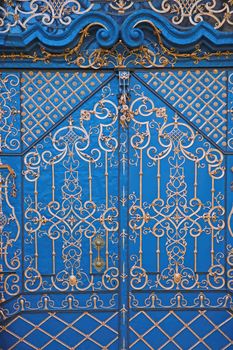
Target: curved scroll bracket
133, 36
106, 36
229, 221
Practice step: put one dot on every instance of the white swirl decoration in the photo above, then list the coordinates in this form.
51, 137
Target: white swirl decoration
192, 12
48, 12
9, 91
70, 217
178, 212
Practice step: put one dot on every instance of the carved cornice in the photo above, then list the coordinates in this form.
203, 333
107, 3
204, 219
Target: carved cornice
106, 34
134, 37
93, 39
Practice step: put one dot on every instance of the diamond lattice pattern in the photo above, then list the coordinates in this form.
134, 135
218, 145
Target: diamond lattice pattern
50, 331
183, 330
48, 96
200, 95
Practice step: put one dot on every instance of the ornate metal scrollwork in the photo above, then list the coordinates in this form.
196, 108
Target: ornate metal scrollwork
47, 12
22, 14
192, 12
9, 119
178, 212
72, 216
9, 235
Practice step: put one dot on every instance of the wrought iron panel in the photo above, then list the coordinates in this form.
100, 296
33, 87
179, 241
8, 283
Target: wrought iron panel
178, 213
77, 213
116, 210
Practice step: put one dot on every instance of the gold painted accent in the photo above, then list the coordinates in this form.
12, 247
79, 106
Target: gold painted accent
9, 168
72, 280
99, 58
98, 243
46, 56
197, 55
126, 114
177, 277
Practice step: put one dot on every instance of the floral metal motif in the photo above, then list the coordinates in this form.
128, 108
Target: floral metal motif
179, 212
120, 233
71, 217
118, 6
179, 300
119, 56
53, 303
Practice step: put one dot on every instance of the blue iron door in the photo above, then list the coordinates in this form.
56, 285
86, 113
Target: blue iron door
59, 216
179, 201
116, 209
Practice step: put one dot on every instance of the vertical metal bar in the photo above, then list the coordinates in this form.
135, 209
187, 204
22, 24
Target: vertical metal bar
106, 205
123, 212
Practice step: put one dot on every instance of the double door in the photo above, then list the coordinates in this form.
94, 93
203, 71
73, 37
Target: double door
116, 211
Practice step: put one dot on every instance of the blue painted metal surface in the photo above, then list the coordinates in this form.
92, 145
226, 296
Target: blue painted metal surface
115, 177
